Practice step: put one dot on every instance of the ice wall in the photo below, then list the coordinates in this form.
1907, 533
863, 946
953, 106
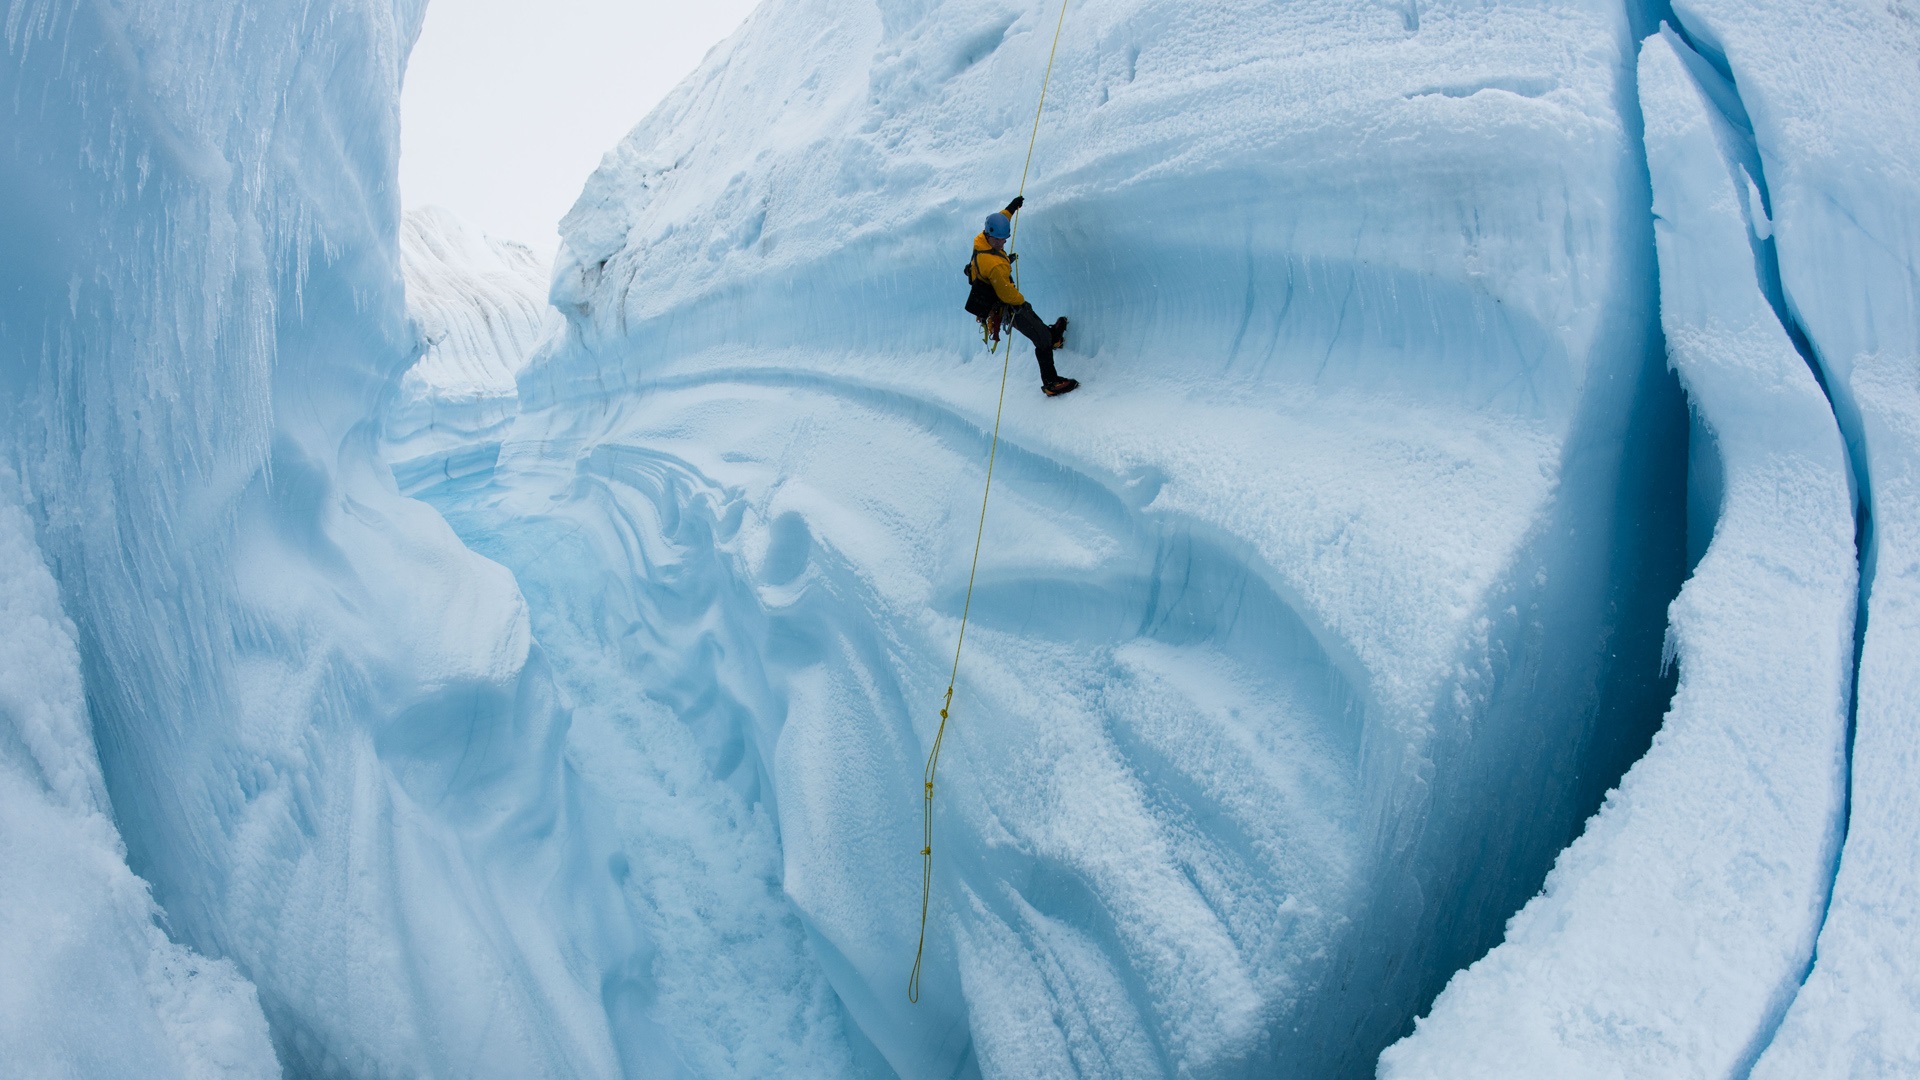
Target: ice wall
1812, 108
1673, 934
1308, 631
1834, 93
326, 736
480, 305
92, 985
1307, 634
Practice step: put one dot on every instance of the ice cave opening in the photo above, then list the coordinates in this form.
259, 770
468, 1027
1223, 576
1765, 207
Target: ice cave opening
1461, 626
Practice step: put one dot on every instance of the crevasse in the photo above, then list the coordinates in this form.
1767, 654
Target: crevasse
1242, 741
1584, 981
493, 689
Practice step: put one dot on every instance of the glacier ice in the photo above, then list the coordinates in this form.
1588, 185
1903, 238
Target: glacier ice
328, 741
1820, 100
480, 307
479, 687
1233, 716
1833, 94
83, 952
1672, 935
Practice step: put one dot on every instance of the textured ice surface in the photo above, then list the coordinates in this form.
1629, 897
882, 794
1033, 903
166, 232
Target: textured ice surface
89, 985
328, 739
479, 303
1340, 556
1673, 934
1834, 92
1307, 635
480, 307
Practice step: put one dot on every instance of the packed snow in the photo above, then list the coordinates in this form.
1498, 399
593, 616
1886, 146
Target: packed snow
1463, 626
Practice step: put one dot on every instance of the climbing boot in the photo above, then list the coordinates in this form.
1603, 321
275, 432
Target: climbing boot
1061, 386
1060, 332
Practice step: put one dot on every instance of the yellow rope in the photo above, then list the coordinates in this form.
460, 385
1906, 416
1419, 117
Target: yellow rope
966, 608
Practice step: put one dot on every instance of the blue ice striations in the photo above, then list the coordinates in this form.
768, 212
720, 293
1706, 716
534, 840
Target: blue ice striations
1476, 582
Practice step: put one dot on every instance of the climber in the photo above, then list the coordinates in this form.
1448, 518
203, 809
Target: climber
995, 300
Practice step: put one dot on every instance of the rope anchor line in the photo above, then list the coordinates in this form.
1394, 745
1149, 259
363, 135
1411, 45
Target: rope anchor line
966, 608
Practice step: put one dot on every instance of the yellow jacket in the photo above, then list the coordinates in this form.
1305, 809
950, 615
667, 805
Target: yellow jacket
996, 268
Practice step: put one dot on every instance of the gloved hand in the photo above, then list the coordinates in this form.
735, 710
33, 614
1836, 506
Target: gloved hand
1014, 206
1013, 256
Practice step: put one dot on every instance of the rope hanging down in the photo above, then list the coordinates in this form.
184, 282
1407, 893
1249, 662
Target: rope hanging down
966, 608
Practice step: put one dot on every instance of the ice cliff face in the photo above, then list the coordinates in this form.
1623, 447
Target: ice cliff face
480, 305
1809, 110
84, 952
1308, 634
1584, 981
327, 738
1428, 349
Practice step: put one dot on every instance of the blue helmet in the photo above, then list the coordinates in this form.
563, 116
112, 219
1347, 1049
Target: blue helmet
999, 226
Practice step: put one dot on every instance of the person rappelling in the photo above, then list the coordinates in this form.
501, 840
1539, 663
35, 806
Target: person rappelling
994, 298
996, 301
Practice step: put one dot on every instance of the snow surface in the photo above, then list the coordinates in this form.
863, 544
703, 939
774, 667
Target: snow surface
488, 696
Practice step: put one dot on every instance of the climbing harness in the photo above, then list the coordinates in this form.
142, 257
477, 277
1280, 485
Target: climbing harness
966, 608
985, 304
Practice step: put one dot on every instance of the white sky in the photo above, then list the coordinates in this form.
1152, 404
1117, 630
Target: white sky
509, 104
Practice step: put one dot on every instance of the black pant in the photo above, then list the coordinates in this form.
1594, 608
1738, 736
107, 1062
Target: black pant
1025, 321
